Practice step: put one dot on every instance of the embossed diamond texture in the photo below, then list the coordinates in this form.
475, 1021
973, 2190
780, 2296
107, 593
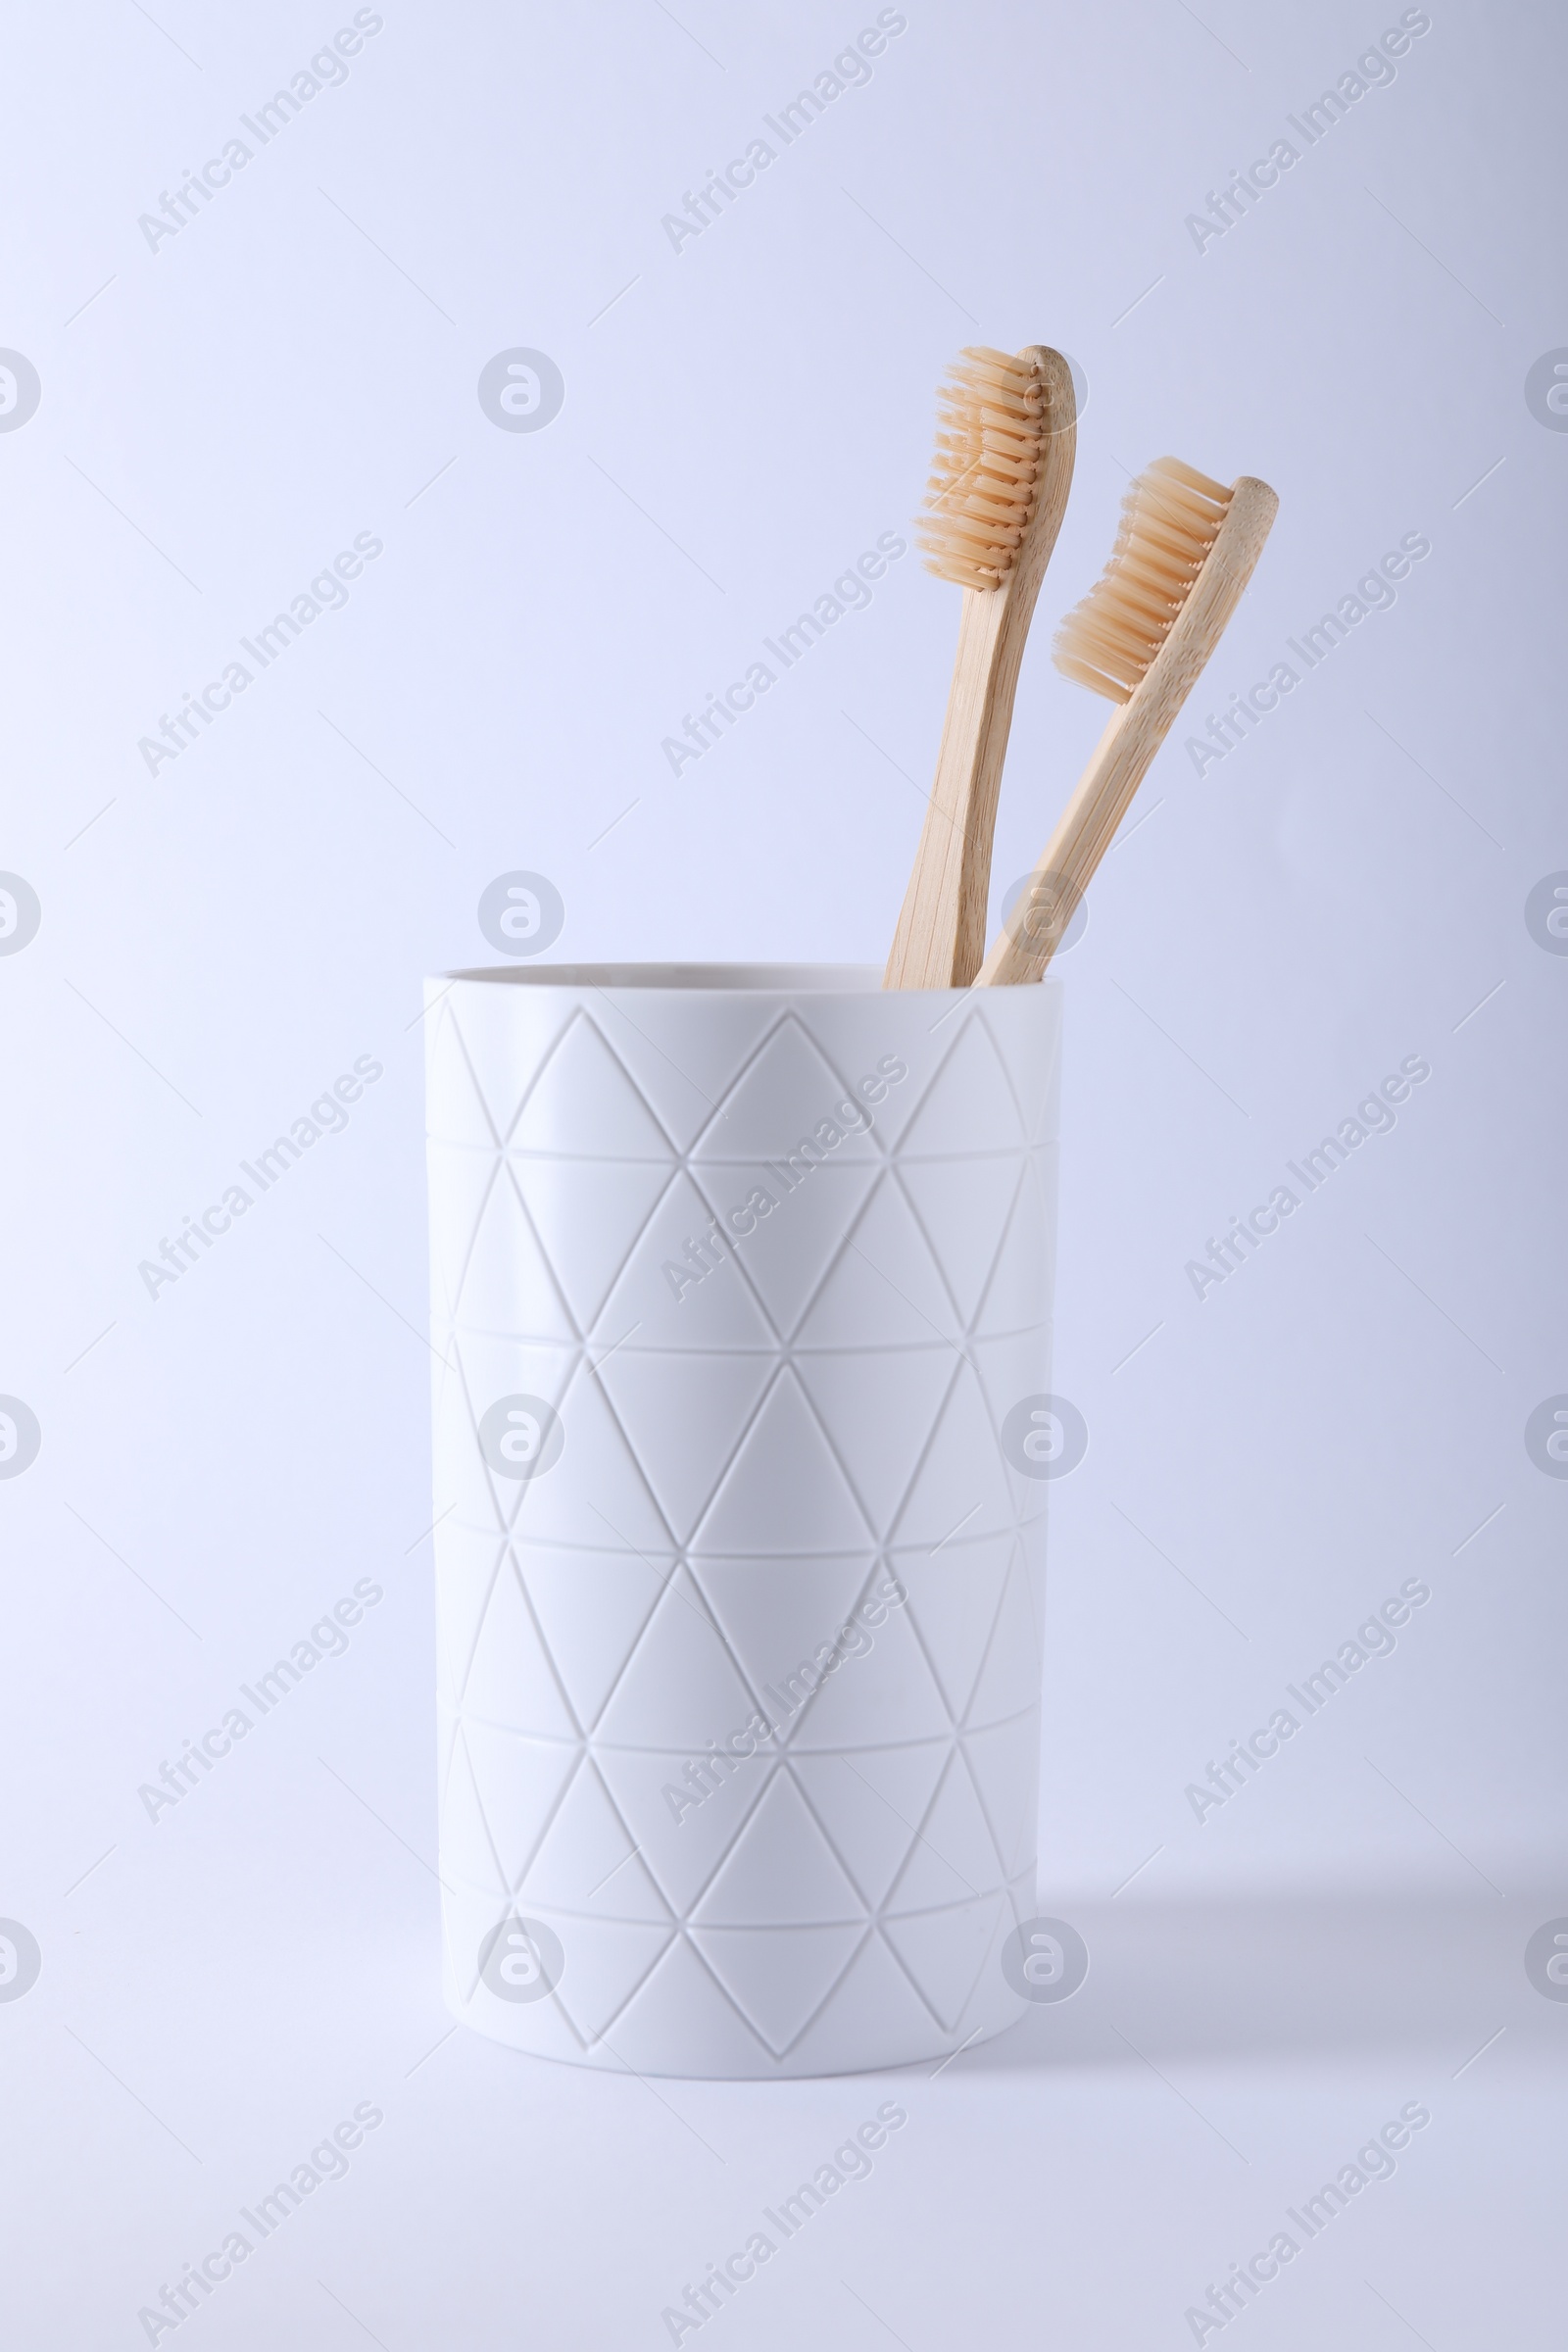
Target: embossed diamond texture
744, 1467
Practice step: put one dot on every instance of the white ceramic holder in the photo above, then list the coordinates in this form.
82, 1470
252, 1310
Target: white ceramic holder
738, 1274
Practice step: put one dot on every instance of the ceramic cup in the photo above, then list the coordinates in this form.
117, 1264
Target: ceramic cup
742, 1286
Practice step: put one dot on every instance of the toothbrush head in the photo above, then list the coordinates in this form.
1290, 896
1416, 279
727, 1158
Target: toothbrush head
995, 415
1170, 518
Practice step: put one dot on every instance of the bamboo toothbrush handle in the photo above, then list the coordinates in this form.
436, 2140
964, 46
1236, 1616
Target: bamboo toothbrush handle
1121, 759
942, 929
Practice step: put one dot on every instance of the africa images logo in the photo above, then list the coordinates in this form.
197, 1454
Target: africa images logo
20, 390
1044, 1437
521, 390
19, 910
20, 1437
1546, 390
1545, 1959
19, 1960
521, 1960
1045, 1960
1545, 1436
520, 1437
521, 913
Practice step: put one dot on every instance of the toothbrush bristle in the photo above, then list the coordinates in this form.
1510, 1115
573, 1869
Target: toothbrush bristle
1168, 521
993, 418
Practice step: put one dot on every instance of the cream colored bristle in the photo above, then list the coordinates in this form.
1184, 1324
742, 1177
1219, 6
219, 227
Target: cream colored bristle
993, 416
1168, 521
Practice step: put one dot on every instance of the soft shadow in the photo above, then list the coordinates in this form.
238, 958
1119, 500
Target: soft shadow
1290, 1977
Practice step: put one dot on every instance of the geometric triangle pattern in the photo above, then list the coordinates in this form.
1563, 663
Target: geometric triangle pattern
739, 1646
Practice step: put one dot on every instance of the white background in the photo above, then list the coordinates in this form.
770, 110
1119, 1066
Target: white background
219, 941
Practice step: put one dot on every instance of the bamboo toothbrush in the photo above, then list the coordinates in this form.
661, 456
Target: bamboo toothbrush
1006, 435
1185, 550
